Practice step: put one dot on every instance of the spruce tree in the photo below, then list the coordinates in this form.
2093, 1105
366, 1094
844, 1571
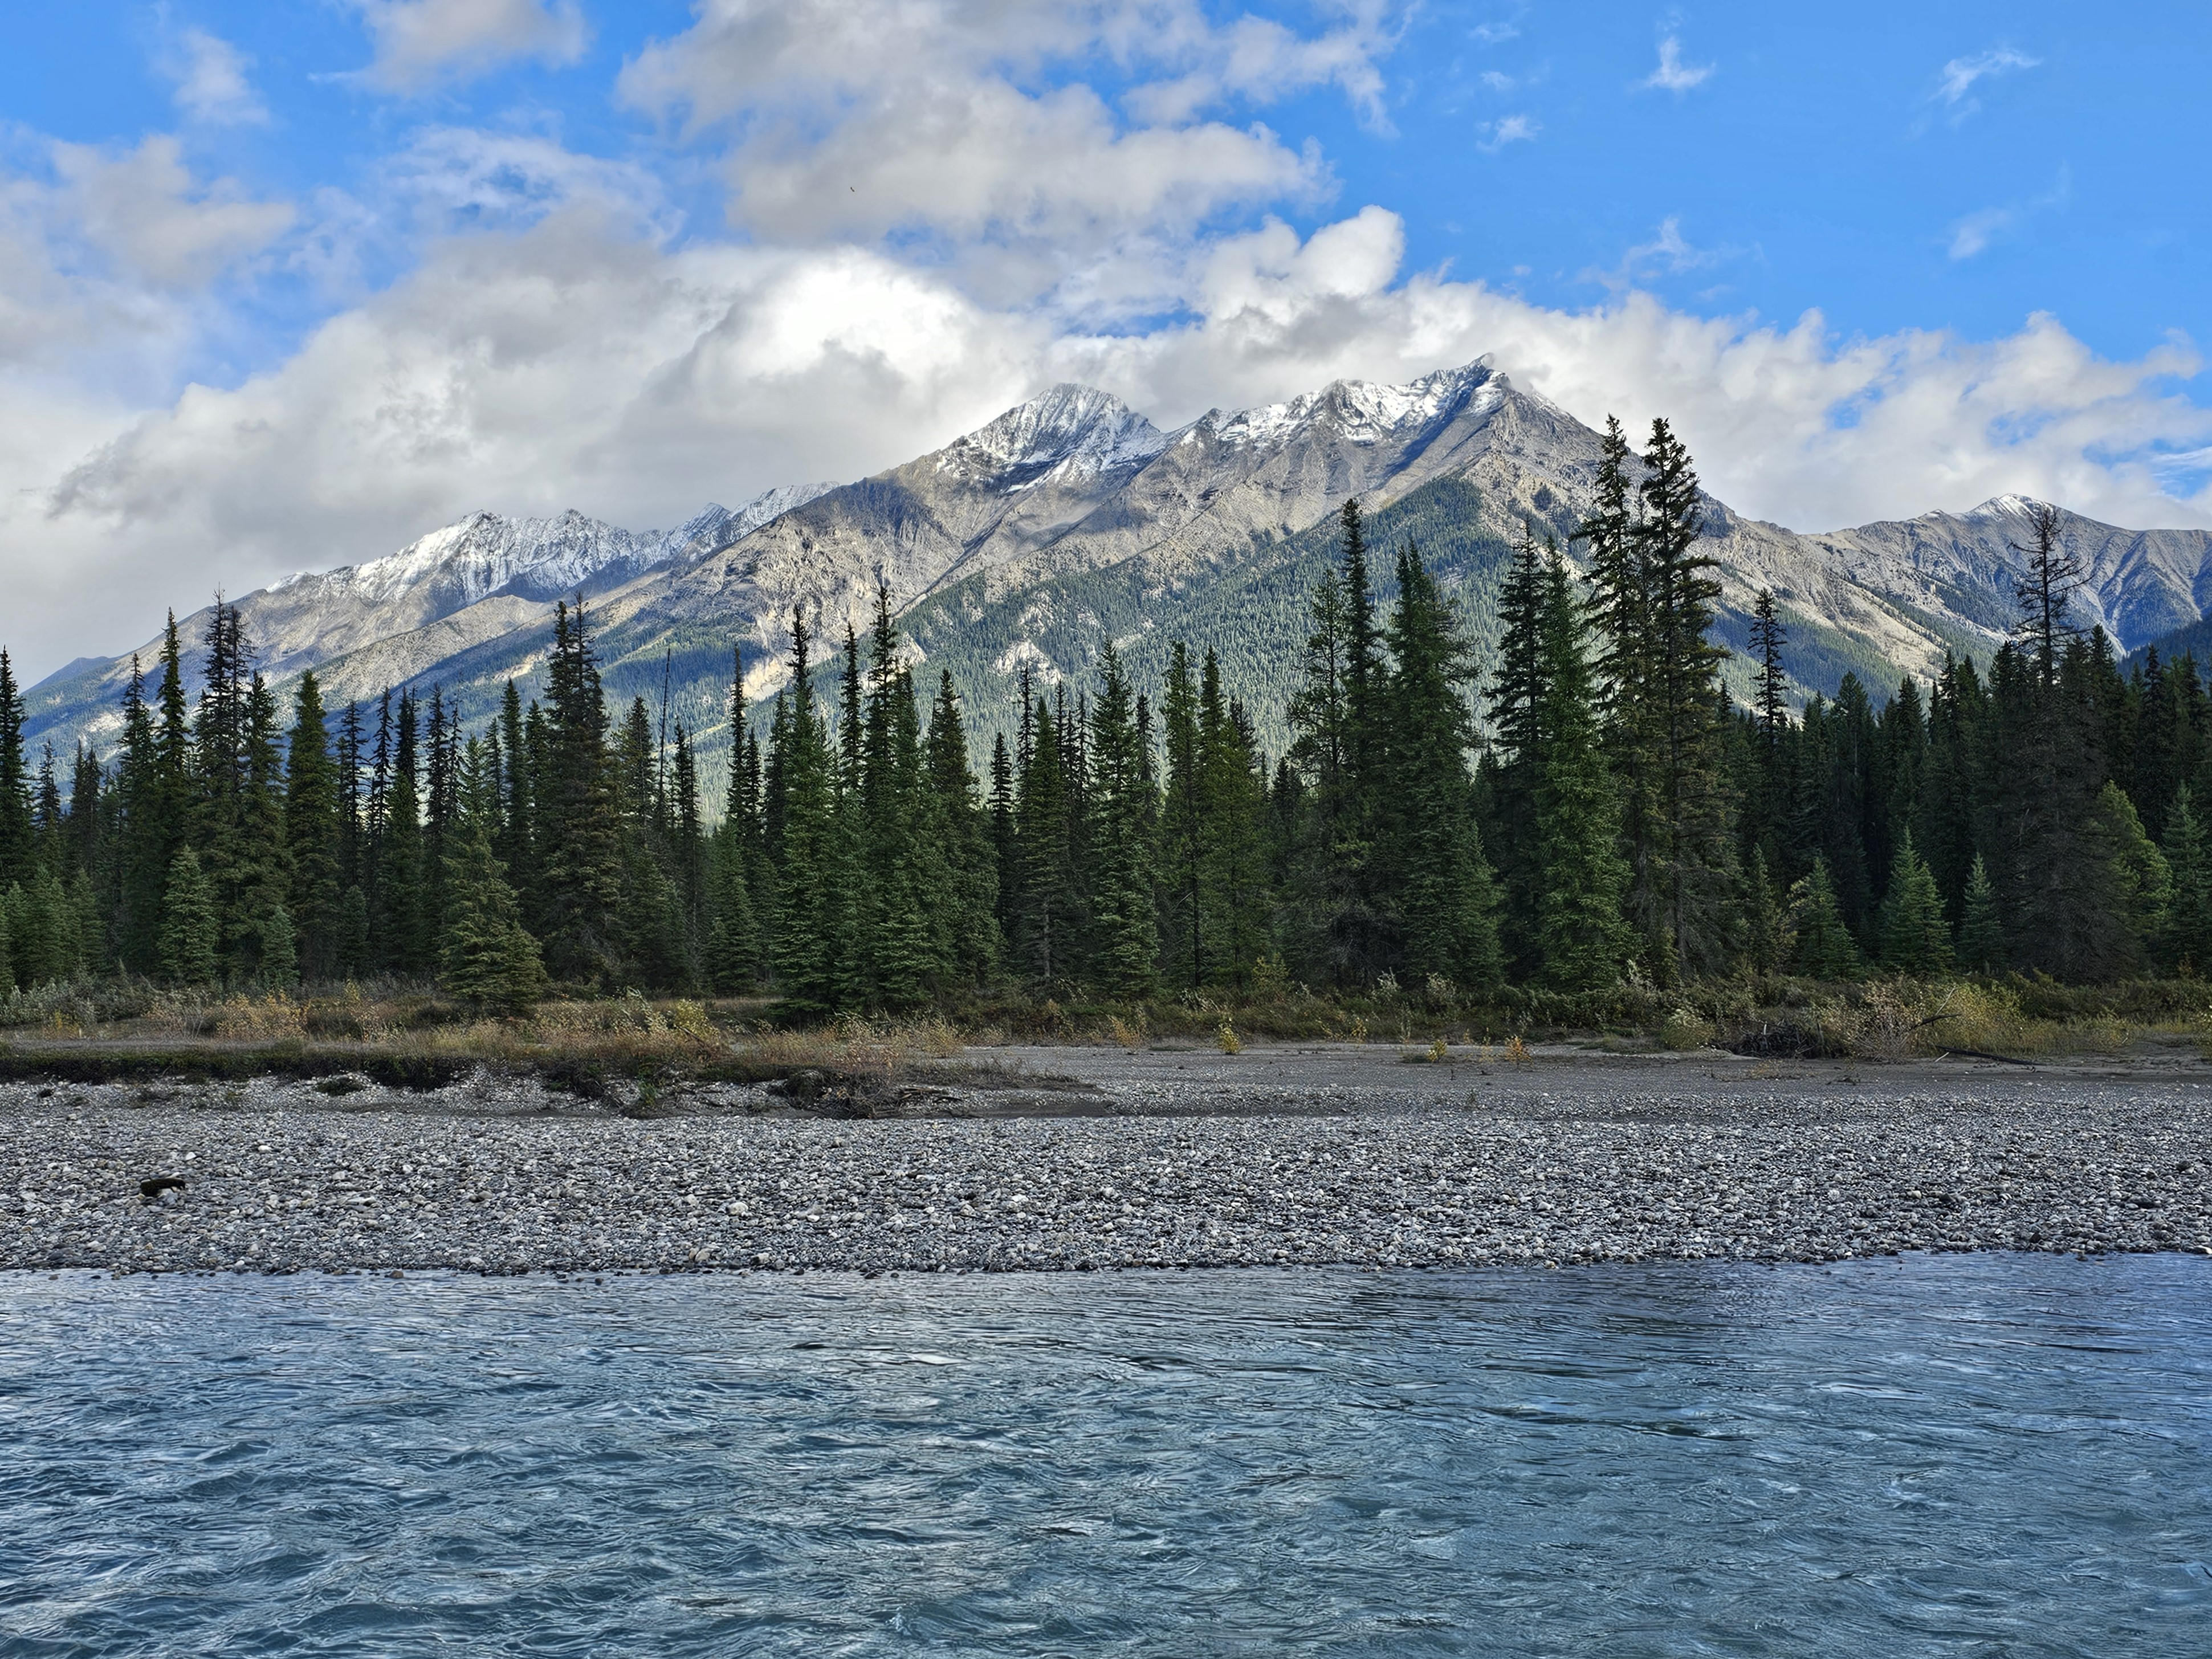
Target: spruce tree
18, 843
2140, 880
311, 830
2186, 944
398, 926
1582, 942
486, 957
964, 905
1049, 920
578, 839
1769, 941
807, 947
902, 960
732, 958
1125, 921
1184, 828
1916, 939
1444, 899
1981, 930
190, 931
1825, 948
261, 943
1520, 701
1689, 893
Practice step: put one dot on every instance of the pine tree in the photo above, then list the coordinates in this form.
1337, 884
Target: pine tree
2044, 591
1184, 830
1048, 921
18, 843
1771, 942
1915, 937
733, 955
1981, 931
485, 955
1581, 941
1825, 947
1520, 703
1443, 897
2140, 879
2186, 946
1125, 920
963, 904
190, 930
310, 832
806, 946
578, 839
1689, 891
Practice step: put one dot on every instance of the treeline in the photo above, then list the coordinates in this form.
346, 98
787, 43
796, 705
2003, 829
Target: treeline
1616, 817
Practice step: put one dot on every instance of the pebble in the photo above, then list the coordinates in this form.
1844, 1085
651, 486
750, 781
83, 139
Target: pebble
498, 1178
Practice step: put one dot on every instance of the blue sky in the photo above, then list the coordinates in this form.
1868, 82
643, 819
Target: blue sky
284, 286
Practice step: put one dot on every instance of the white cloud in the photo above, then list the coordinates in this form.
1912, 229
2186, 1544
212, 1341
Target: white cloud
143, 208
423, 43
1673, 74
1973, 233
1956, 83
936, 119
576, 364
1508, 129
211, 75
940, 217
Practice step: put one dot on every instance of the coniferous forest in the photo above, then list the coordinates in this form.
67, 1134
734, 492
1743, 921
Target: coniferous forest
1593, 811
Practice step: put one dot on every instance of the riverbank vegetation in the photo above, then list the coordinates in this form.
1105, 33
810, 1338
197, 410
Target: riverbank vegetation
1588, 838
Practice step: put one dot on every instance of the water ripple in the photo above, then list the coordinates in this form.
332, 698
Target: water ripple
1977, 1455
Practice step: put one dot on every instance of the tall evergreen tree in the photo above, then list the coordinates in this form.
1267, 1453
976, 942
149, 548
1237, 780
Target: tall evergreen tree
1125, 922
1825, 948
579, 838
1915, 937
190, 930
1444, 897
311, 833
18, 844
2186, 944
1581, 941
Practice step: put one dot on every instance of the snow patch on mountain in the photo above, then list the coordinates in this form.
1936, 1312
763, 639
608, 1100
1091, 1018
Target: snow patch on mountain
1070, 432
1359, 412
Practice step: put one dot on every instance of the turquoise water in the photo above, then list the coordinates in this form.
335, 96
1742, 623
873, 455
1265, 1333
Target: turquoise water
1964, 1456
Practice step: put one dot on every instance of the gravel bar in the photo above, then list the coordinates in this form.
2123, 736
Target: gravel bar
1574, 1162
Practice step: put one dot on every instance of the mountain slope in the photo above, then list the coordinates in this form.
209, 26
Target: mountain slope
1071, 521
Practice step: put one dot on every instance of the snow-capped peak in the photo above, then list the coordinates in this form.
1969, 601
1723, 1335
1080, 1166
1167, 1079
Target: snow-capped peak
1071, 431
1363, 410
2008, 506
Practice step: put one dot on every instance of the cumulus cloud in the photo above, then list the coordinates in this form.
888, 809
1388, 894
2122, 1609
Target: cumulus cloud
939, 118
1673, 74
423, 43
210, 76
939, 216
576, 364
143, 208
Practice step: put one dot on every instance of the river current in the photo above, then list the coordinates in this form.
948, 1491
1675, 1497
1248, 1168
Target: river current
1967, 1456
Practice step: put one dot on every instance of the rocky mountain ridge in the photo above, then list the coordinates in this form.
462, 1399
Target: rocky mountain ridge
1071, 521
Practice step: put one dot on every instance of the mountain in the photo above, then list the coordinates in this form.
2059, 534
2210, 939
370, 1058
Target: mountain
1071, 521
478, 579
